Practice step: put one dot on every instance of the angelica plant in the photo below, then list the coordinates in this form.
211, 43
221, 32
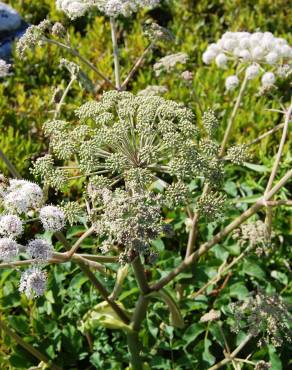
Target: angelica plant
136, 157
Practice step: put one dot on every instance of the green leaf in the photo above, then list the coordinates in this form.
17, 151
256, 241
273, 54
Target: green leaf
256, 167
103, 314
175, 315
239, 291
252, 269
192, 333
207, 355
274, 358
280, 276
78, 280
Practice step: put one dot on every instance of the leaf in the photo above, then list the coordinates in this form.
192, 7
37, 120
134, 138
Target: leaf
274, 358
78, 280
192, 333
256, 167
175, 315
238, 290
280, 276
103, 314
252, 269
207, 355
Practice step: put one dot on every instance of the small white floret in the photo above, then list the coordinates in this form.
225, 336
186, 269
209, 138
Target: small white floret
231, 83
252, 71
221, 60
268, 79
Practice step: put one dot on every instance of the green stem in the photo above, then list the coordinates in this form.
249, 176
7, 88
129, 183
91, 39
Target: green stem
136, 66
115, 53
134, 344
28, 347
65, 93
222, 234
140, 275
79, 56
13, 171
269, 211
96, 283
232, 117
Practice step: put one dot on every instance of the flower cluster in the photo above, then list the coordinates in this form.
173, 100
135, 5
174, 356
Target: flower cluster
212, 205
125, 135
254, 234
4, 68
33, 282
112, 8
21, 200
128, 222
237, 154
22, 196
169, 62
259, 51
263, 315
32, 37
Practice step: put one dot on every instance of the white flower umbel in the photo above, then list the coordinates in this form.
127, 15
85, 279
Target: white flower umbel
10, 226
268, 79
111, 8
252, 71
52, 218
255, 51
8, 249
168, 63
74, 8
40, 250
231, 83
22, 196
33, 282
4, 68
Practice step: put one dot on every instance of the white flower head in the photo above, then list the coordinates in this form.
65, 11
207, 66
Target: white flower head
39, 249
8, 249
231, 83
272, 57
221, 60
4, 68
261, 48
33, 282
252, 71
10, 226
268, 79
52, 218
22, 196
209, 56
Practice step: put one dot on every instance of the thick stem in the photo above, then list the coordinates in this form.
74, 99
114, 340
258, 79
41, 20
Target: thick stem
115, 53
13, 171
140, 275
28, 347
232, 117
134, 348
134, 344
222, 234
